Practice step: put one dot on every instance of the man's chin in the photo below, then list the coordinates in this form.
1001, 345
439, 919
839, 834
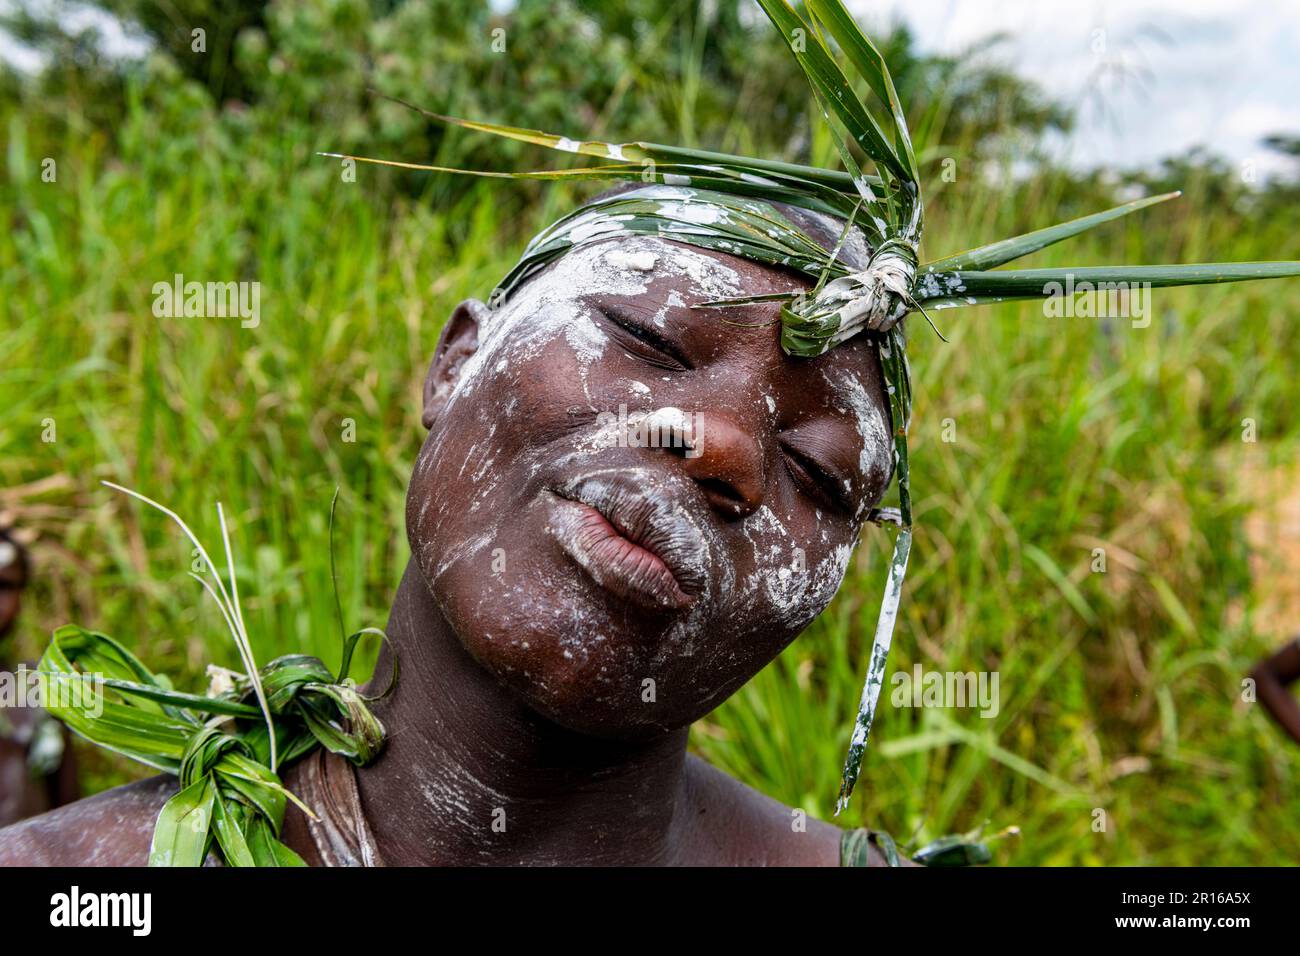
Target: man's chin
582, 697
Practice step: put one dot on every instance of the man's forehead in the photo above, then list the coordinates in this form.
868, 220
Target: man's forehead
654, 262
664, 279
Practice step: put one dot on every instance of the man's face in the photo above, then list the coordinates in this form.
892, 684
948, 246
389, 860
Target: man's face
626, 507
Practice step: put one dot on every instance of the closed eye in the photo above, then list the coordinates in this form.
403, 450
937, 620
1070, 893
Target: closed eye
646, 343
816, 481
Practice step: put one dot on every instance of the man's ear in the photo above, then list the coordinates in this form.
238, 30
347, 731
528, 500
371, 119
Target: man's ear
459, 340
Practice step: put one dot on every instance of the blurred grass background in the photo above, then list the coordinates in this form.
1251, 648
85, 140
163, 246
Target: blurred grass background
1120, 691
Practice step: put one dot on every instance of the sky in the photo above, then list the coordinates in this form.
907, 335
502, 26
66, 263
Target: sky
1211, 72
1151, 77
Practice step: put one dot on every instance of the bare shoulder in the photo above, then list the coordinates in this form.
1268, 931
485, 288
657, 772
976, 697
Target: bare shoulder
732, 824
113, 828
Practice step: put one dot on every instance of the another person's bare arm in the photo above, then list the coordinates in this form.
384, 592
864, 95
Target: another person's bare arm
1273, 677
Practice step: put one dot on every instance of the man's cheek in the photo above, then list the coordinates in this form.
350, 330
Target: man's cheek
790, 584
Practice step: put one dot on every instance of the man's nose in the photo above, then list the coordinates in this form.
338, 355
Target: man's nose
726, 461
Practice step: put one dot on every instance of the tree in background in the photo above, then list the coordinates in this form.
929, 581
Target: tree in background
679, 71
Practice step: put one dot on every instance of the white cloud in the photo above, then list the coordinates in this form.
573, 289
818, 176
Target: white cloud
1220, 74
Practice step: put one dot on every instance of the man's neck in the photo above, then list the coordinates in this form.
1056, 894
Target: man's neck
472, 775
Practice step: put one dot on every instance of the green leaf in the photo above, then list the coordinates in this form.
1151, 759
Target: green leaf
229, 824
201, 703
974, 288
835, 96
871, 66
997, 253
635, 153
180, 837
266, 849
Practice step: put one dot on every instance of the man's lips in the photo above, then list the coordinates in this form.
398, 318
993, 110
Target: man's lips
628, 543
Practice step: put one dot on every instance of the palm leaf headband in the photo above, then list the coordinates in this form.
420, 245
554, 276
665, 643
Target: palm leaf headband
726, 203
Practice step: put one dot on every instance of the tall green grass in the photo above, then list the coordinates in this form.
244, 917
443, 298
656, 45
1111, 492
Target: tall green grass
1120, 691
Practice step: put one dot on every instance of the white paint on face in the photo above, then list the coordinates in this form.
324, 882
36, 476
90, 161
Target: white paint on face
706, 277
670, 421
795, 594
548, 307
674, 300
553, 309
684, 533
640, 261
704, 214
552, 303
868, 418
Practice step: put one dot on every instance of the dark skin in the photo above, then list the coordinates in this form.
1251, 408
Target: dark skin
21, 794
572, 605
1273, 677
13, 579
